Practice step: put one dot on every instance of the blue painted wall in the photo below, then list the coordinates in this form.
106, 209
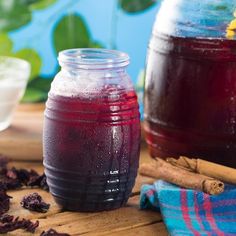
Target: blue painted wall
108, 24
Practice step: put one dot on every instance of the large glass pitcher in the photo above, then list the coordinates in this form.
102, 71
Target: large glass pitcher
190, 85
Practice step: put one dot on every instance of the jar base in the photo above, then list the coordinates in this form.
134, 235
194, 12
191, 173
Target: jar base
79, 206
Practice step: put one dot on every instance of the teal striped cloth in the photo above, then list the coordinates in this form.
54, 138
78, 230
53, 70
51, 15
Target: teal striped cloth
190, 212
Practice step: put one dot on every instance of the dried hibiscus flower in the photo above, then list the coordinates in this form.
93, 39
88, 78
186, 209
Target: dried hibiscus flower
3, 161
4, 201
39, 181
6, 218
34, 202
9, 223
9, 179
52, 232
24, 176
8, 183
16, 178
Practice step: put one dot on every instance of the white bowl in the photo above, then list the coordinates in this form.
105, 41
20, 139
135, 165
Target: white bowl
14, 74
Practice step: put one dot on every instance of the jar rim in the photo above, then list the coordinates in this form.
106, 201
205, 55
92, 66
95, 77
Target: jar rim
93, 58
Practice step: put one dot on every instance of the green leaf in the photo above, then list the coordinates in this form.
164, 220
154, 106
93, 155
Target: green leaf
41, 4
5, 45
29, 2
33, 58
140, 81
133, 6
221, 7
13, 14
41, 83
37, 90
34, 95
95, 44
71, 32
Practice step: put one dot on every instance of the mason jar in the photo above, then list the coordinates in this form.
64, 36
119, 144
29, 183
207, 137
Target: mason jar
91, 137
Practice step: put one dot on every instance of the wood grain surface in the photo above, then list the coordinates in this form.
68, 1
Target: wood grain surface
23, 139
23, 142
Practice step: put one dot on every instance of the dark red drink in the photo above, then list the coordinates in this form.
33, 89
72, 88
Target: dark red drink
91, 148
190, 98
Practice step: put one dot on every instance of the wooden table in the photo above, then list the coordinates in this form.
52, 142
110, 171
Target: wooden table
22, 141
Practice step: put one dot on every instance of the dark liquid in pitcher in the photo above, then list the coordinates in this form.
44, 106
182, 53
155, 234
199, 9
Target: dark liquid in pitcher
91, 149
190, 98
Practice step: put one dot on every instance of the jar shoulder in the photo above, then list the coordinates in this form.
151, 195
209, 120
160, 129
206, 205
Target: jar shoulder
69, 83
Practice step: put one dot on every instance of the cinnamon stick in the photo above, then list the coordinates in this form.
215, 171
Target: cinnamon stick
161, 169
184, 162
223, 173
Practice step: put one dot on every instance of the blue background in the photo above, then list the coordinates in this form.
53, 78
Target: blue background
107, 23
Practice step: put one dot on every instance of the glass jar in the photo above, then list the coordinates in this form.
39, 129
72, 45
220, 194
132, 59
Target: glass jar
190, 85
91, 138
14, 74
